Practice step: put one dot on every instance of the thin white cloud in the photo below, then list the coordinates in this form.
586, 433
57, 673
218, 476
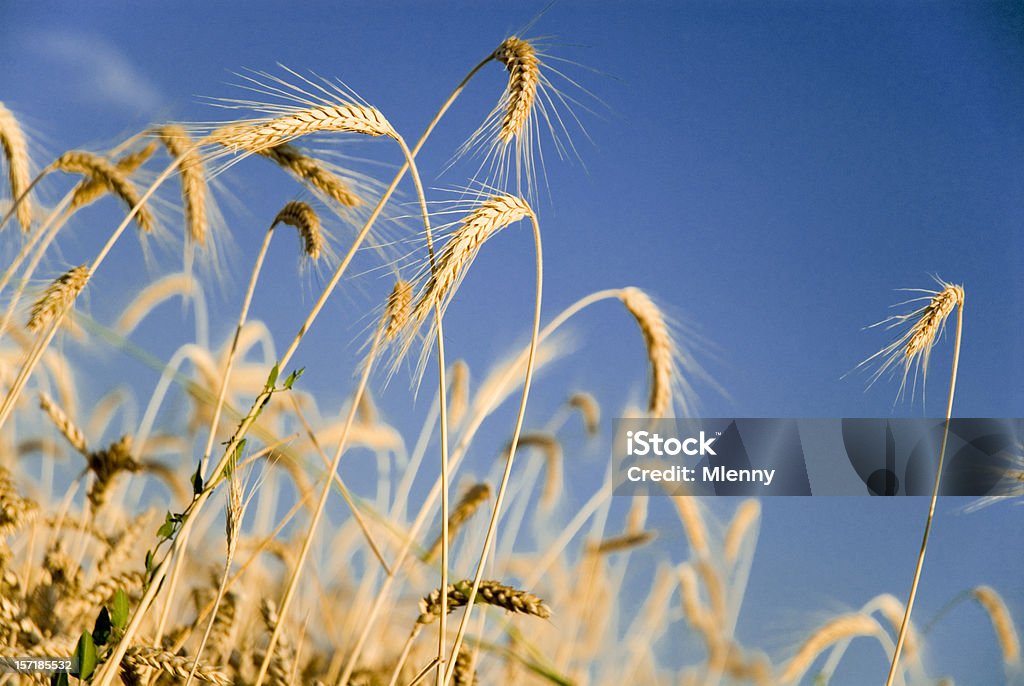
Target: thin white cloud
96, 71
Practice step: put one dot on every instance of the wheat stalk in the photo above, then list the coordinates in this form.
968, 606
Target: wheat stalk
917, 343
12, 140
193, 179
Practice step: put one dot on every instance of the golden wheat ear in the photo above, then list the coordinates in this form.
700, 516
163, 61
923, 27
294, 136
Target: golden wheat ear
910, 352
12, 140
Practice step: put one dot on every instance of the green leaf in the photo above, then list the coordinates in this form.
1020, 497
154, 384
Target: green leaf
293, 377
59, 679
101, 630
119, 617
149, 561
272, 379
166, 529
85, 656
197, 481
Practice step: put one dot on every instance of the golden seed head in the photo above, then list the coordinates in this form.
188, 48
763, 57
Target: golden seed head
57, 297
396, 313
520, 58
300, 215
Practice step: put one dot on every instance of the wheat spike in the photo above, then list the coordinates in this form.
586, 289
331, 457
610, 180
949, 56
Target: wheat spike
311, 171
464, 672
844, 627
57, 297
490, 217
912, 349
107, 464
552, 449
617, 544
94, 166
300, 215
169, 663
458, 399
489, 593
396, 312
520, 59
475, 496
67, 428
660, 348
93, 188
12, 140
589, 409
1002, 622
193, 179
261, 134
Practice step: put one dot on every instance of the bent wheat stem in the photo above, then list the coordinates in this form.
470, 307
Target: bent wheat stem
905, 625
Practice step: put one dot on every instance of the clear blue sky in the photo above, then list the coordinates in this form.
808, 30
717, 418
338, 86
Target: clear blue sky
772, 172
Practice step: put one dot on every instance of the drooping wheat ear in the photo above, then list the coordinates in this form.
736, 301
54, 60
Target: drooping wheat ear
88, 164
746, 517
617, 544
311, 171
93, 188
193, 179
464, 672
258, 135
475, 496
396, 312
108, 463
233, 512
552, 449
67, 428
925, 331
282, 662
300, 215
841, 628
490, 217
15, 511
589, 409
489, 593
1002, 622
660, 348
141, 657
57, 297
893, 610
16, 153
520, 59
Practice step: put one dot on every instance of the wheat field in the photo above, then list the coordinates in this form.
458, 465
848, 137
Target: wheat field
375, 452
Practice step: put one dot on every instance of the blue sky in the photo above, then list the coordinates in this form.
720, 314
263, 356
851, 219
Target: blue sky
771, 172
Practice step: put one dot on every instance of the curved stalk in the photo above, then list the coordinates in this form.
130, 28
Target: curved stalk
492, 527
905, 625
